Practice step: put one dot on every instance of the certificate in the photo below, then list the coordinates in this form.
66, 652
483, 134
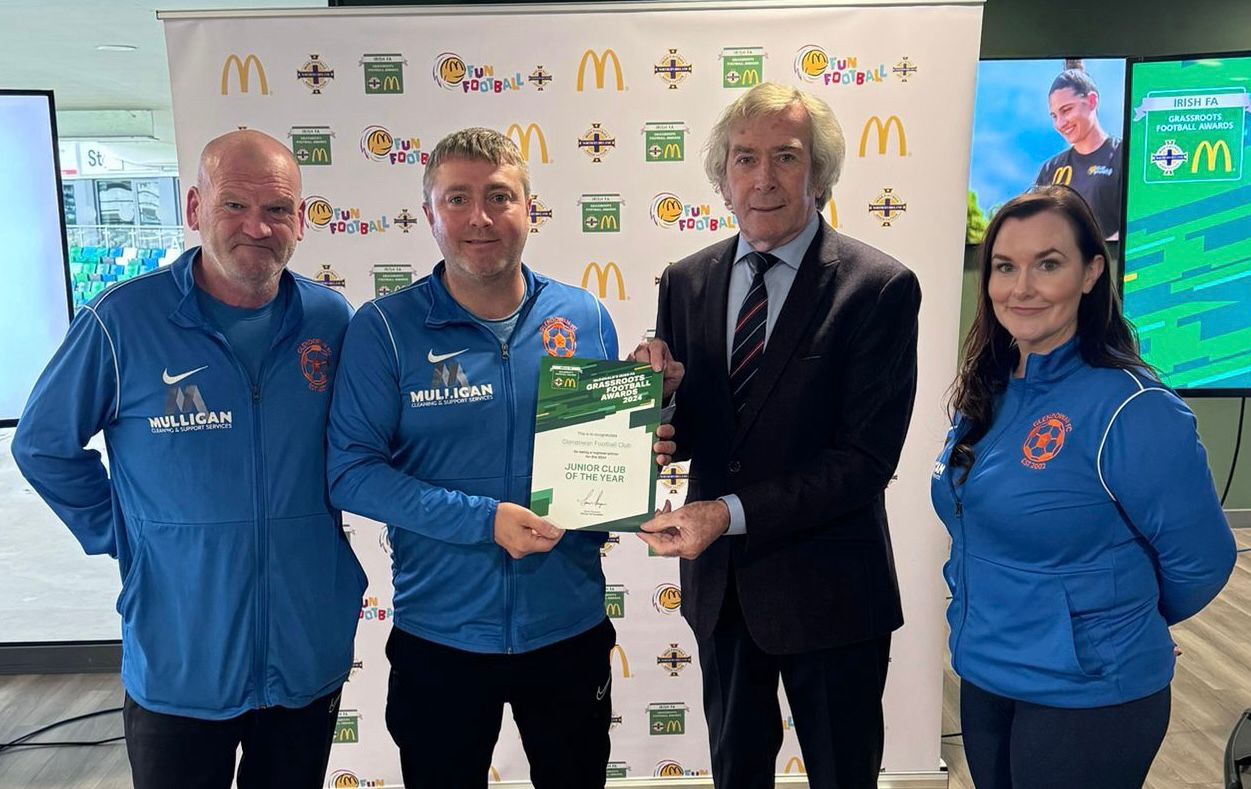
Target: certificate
593, 433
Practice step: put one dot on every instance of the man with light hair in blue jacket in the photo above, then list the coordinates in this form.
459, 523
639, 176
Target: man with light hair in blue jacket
211, 380
432, 432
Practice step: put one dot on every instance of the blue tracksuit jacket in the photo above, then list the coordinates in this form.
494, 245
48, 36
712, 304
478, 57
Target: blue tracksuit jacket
432, 426
239, 589
1088, 525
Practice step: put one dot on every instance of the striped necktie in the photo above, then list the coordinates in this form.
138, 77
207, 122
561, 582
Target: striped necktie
749, 330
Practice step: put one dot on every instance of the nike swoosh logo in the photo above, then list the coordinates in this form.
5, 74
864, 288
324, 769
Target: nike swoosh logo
170, 380
599, 692
434, 358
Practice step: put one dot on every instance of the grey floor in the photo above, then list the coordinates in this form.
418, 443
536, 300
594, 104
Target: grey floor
32, 701
50, 590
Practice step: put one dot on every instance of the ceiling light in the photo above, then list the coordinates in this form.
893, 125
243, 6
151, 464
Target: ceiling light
116, 48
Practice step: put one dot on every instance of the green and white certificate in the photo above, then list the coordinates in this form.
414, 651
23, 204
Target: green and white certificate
593, 435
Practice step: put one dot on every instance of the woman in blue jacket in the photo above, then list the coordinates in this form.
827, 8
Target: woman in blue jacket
1082, 514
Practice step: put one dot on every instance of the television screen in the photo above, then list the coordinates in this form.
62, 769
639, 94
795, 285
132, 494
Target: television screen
34, 302
1188, 221
1047, 121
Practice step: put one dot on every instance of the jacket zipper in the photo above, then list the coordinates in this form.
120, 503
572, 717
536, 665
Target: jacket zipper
510, 567
261, 533
510, 571
964, 582
959, 512
259, 503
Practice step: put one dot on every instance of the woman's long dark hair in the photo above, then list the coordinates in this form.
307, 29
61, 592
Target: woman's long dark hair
1105, 338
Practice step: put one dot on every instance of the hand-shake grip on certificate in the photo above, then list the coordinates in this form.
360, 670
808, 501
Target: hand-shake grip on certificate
594, 432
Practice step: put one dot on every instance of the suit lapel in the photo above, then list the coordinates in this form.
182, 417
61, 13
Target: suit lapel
812, 281
714, 338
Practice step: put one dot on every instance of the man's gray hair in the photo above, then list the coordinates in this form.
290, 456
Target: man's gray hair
829, 148
475, 144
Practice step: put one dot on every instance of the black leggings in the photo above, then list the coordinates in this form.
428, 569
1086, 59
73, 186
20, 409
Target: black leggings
1017, 745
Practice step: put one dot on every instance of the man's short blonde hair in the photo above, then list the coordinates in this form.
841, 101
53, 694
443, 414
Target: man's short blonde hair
829, 148
475, 144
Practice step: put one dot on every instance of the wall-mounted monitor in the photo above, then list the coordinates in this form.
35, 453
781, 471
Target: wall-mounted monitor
35, 304
1047, 121
1188, 220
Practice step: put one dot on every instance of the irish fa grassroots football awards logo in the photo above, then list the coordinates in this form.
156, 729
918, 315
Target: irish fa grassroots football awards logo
615, 601
742, 67
601, 213
664, 141
390, 277
311, 144
384, 74
666, 718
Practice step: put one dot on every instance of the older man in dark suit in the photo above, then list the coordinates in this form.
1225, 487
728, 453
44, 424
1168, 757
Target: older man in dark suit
799, 348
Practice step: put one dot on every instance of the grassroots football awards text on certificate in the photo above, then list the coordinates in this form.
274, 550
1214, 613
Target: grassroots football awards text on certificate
593, 434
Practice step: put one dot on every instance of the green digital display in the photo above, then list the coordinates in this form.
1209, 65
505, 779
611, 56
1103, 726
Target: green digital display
1187, 238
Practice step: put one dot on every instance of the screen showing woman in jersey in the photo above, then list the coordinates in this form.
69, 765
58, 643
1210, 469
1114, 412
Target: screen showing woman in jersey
1021, 107
1082, 513
1092, 164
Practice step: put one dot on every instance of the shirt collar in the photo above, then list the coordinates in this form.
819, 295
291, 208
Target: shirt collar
792, 252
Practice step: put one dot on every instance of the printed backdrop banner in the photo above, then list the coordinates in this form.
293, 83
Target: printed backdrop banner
612, 104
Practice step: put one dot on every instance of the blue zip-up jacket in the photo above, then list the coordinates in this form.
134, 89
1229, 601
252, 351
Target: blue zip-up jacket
432, 426
1087, 526
239, 589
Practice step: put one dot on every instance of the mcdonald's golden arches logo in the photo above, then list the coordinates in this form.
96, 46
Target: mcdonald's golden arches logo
243, 70
344, 779
667, 599
494, 774
601, 274
883, 130
524, 138
1063, 176
1207, 147
618, 652
794, 764
833, 213
669, 769
599, 62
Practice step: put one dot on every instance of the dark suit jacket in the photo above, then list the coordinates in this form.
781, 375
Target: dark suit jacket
813, 450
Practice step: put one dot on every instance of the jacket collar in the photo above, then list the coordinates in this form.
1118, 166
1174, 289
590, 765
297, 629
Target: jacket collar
444, 309
189, 315
1053, 366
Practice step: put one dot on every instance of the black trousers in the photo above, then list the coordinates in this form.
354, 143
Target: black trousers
1017, 745
835, 697
444, 708
281, 747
